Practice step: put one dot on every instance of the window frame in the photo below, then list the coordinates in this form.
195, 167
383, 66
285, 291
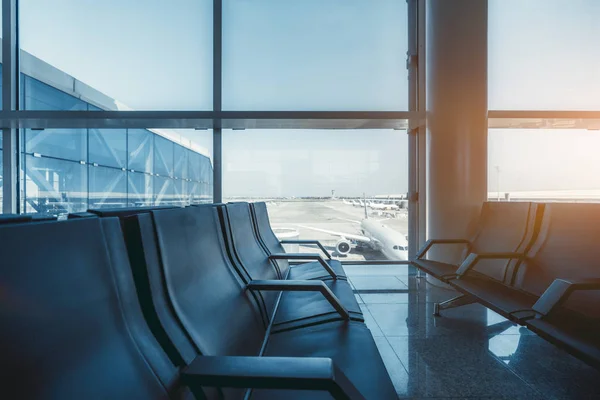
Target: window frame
15, 119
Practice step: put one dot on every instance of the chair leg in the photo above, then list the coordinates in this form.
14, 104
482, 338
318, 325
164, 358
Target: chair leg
457, 301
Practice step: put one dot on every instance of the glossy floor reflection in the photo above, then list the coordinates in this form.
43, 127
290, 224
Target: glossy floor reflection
469, 352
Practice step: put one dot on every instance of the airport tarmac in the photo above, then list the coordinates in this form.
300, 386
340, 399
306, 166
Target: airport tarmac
332, 215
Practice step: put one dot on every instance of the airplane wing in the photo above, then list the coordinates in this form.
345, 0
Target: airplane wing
358, 238
350, 220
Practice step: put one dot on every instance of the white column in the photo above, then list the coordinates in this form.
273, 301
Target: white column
457, 119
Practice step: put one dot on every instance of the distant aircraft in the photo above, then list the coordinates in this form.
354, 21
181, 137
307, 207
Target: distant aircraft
391, 243
383, 206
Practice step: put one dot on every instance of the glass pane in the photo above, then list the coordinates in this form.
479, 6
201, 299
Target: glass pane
140, 143
199, 193
45, 96
164, 192
195, 167
108, 187
108, 147
315, 55
568, 168
163, 156
543, 55
122, 54
182, 194
320, 184
181, 155
54, 186
69, 144
139, 189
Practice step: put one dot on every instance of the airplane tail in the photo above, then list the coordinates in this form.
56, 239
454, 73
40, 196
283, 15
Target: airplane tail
365, 204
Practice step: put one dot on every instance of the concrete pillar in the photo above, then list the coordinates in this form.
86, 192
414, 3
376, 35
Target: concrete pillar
457, 119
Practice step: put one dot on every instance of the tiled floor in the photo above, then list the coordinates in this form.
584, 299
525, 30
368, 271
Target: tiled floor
470, 352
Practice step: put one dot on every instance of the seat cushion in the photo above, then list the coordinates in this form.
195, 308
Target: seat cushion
305, 308
437, 269
314, 270
352, 349
577, 336
495, 295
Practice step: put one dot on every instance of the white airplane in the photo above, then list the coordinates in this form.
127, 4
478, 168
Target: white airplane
391, 243
384, 206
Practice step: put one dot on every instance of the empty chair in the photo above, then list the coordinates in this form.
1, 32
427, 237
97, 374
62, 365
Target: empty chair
123, 212
564, 250
210, 316
273, 246
24, 218
563, 271
503, 227
71, 324
255, 264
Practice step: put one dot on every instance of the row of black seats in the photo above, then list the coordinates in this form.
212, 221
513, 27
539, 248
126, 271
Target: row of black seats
535, 264
177, 303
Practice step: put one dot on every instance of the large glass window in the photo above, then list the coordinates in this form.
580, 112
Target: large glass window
59, 180
40, 95
54, 186
345, 188
119, 54
314, 55
544, 164
139, 188
140, 143
543, 55
163, 156
164, 191
70, 144
108, 147
108, 187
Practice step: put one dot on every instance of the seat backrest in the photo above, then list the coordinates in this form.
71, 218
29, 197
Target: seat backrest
203, 299
504, 227
125, 211
251, 256
14, 218
266, 235
24, 218
71, 323
566, 247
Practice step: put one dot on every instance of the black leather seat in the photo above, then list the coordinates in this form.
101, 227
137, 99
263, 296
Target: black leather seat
504, 300
123, 212
578, 336
71, 324
202, 304
503, 227
567, 249
563, 256
24, 218
252, 261
267, 238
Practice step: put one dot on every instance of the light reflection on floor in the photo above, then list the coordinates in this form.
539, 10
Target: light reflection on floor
469, 352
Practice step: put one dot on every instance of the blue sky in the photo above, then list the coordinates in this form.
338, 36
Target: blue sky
328, 55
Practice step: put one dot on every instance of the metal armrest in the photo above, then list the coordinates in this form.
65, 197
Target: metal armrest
305, 256
560, 290
473, 258
295, 373
428, 244
300, 241
302, 286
